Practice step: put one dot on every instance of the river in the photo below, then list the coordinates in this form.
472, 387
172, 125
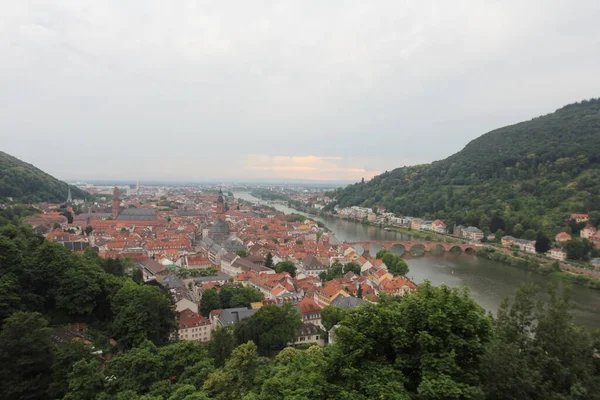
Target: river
489, 281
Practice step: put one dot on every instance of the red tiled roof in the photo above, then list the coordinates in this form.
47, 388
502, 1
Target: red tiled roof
308, 305
187, 319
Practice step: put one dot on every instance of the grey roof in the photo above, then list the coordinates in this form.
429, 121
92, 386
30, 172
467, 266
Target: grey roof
311, 262
139, 214
247, 265
219, 227
218, 277
233, 244
172, 282
234, 315
308, 329
473, 229
229, 257
346, 302
75, 245
64, 335
93, 215
187, 213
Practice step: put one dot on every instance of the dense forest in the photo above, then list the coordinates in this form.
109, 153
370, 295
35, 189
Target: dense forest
435, 343
528, 176
28, 184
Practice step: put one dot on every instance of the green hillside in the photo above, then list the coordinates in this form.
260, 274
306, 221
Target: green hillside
28, 184
528, 176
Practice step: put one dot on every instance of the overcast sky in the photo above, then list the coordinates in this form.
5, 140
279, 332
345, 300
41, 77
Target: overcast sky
197, 90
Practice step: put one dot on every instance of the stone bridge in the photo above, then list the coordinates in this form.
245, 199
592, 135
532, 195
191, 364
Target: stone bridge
412, 247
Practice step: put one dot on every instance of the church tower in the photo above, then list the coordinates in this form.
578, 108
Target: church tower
220, 205
116, 203
69, 197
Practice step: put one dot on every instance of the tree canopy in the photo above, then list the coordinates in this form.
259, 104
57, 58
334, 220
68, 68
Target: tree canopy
525, 177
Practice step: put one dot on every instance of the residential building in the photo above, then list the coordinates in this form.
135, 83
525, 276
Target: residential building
309, 333
310, 311
184, 304
557, 254
397, 286
416, 223
325, 295
193, 327
230, 316
562, 237
311, 265
588, 232
579, 218
439, 226
472, 233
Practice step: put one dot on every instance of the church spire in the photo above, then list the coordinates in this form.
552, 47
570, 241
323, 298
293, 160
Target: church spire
69, 197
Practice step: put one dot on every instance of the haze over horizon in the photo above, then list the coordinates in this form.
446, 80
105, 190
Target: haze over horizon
202, 90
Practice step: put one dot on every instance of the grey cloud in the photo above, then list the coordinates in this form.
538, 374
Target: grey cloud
194, 89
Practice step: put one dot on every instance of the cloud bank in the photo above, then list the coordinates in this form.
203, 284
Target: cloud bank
259, 89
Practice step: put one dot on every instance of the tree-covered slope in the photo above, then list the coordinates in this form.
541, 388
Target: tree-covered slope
26, 183
531, 175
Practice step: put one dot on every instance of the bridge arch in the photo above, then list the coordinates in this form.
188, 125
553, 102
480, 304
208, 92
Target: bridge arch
469, 250
374, 249
359, 249
417, 250
437, 249
455, 249
398, 249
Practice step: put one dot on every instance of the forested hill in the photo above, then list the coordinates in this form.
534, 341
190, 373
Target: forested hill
531, 175
28, 184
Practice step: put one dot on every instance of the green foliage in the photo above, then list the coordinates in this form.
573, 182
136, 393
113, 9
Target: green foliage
296, 375
528, 176
230, 296
435, 343
269, 260
542, 243
526, 263
221, 345
578, 249
65, 356
332, 315
266, 194
549, 359
210, 301
27, 184
12, 215
429, 343
141, 313
286, 266
25, 356
236, 379
242, 253
338, 270
295, 218
271, 328
396, 265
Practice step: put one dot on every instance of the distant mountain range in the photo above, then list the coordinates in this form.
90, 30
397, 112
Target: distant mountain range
525, 177
27, 184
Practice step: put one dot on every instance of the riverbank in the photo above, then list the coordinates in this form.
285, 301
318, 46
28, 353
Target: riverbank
536, 265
